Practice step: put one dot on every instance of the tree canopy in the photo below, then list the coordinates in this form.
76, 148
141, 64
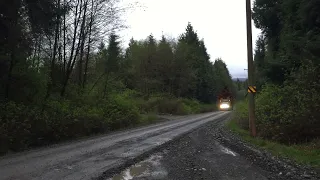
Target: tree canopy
61, 80
287, 68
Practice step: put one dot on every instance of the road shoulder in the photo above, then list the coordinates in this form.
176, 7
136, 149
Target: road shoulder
282, 168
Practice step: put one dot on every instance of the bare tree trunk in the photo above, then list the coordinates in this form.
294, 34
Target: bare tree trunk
38, 58
64, 39
55, 46
71, 58
82, 39
89, 45
35, 51
105, 14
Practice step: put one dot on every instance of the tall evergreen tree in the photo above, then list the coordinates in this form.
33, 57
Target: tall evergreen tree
165, 65
112, 60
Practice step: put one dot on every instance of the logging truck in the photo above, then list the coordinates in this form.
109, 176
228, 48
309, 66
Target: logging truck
225, 100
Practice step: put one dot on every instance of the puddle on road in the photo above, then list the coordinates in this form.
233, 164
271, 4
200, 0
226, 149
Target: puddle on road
150, 167
227, 151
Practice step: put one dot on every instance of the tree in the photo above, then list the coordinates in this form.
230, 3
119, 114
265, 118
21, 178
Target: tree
20, 22
184, 76
238, 83
287, 53
112, 60
165, 58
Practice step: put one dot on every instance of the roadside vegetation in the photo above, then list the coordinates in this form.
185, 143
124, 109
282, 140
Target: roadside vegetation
287, 75
287, 64
64, 74
302, 153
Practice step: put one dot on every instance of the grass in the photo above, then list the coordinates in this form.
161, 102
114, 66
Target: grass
308, 154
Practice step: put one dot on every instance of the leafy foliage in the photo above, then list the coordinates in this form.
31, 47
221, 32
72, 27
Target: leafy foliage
58, 96
287, 69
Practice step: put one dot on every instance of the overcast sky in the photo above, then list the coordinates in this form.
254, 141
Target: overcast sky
221, 23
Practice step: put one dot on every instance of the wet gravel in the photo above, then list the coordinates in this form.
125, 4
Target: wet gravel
278, 167
196, 156
213, 152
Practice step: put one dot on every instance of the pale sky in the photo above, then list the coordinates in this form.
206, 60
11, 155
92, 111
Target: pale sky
221, 23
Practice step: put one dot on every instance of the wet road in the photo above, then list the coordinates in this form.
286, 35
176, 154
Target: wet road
196, 155
90, 158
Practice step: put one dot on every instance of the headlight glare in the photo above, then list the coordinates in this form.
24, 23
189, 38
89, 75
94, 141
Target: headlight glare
224, 106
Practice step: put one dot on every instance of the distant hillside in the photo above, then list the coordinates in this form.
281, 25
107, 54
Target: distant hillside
240, 79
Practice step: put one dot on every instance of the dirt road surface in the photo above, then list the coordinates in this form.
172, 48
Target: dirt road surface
91, 158
212, 152
183, 148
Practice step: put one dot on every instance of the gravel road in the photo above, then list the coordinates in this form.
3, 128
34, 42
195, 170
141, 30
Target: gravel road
185, 147
212, 152
98, 157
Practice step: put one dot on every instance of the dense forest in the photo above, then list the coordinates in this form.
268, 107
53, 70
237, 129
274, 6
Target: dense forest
60, 80
287, 68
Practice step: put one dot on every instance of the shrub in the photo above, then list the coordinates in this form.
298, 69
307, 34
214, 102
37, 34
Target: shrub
14, 126
120, 112
192, 105
207, 108
241, 114
290, 114
269, 111
22, 126
173, 106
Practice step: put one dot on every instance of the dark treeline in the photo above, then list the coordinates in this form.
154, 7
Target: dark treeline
287, 69
181, 68
59, 81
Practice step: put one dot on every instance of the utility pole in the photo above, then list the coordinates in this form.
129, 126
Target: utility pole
252, 118
246, 83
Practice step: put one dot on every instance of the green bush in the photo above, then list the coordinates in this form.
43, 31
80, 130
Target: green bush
152, 104
14, 126
241, 114
270, 111
174, 106
289, 113
22, 126
120, 112
191, 104
164, 105
204, 108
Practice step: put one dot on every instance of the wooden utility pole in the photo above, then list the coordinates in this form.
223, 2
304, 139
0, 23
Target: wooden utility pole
252, 118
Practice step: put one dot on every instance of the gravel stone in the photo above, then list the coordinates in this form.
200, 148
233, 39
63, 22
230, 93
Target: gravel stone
199, 148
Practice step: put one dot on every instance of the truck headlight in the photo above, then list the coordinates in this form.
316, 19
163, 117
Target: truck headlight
224, 106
